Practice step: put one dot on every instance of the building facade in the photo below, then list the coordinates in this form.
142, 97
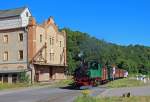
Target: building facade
38, 49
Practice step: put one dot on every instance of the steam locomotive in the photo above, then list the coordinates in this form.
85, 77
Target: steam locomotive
93, 73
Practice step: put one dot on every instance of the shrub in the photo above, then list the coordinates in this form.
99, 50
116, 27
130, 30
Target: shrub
24, 78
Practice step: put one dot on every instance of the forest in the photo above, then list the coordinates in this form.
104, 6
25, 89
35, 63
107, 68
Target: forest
134, 58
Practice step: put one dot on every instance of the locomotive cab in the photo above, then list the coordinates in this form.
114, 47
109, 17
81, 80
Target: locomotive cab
94, 69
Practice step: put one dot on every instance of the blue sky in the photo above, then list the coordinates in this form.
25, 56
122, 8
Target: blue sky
119, 21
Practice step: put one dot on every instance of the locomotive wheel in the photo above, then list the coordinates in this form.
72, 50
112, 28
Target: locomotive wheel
92, 83
97, 82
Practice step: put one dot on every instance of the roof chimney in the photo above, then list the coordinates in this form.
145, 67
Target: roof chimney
50, 20
32, 21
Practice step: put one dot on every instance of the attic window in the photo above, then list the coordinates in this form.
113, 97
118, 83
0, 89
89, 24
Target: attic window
27, 14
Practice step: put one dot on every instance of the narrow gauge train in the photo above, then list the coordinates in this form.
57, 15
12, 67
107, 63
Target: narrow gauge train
93, 74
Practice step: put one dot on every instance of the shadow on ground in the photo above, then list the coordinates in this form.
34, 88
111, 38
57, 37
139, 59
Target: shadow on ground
71, 86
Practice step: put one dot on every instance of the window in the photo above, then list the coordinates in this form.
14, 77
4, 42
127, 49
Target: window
60, 44
20, 54
5, 56
27, 14
5, 78
61, 57
40, 38
51, 40
51, 56
14, 78
5, 38
20, 36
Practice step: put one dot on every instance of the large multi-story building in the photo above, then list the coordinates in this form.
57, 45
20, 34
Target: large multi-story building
38, 49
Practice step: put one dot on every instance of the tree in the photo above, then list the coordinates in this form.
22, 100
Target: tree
133, 58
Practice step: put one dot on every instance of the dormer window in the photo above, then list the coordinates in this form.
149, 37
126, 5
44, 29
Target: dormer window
27, 14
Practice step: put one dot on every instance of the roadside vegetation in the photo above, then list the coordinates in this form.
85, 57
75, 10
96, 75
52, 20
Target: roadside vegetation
61, 83
113, 99
126, 82
85, 97
10, 86
4, 86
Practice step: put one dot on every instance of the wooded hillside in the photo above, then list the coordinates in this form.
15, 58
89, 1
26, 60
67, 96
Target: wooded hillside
134, 58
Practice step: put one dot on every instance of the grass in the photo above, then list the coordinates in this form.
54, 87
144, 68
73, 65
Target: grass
126, 82
112, 99
13, 86
60, 83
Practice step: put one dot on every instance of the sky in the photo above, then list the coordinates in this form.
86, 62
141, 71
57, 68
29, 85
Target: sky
122, 22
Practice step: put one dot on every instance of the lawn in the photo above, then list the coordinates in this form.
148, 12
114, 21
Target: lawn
61, 83
112, 99
14, 86
126, 82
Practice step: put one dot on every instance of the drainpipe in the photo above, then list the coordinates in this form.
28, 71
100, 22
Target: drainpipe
28, 66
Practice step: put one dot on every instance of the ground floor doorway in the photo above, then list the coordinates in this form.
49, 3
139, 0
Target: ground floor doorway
9, 77
48, 73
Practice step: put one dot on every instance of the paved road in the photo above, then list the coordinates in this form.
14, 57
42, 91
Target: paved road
134, 91
45, 94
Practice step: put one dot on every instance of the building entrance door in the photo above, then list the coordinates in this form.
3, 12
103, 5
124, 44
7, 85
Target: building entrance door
50, 72
5, 78
37, 76
14, 78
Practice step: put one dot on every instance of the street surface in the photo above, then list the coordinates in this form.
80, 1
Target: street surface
44, 94
49, 94
134, 91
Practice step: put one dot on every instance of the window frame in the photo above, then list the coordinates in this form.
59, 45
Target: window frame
52, 55
5, 38
41, 38
60, 43
5, 56
21, 37
20, 55
53, 40
27, 14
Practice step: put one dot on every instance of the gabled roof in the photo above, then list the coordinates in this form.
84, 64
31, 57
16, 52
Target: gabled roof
11, 12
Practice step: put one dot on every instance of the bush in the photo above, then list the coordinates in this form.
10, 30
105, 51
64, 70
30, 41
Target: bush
24, 78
